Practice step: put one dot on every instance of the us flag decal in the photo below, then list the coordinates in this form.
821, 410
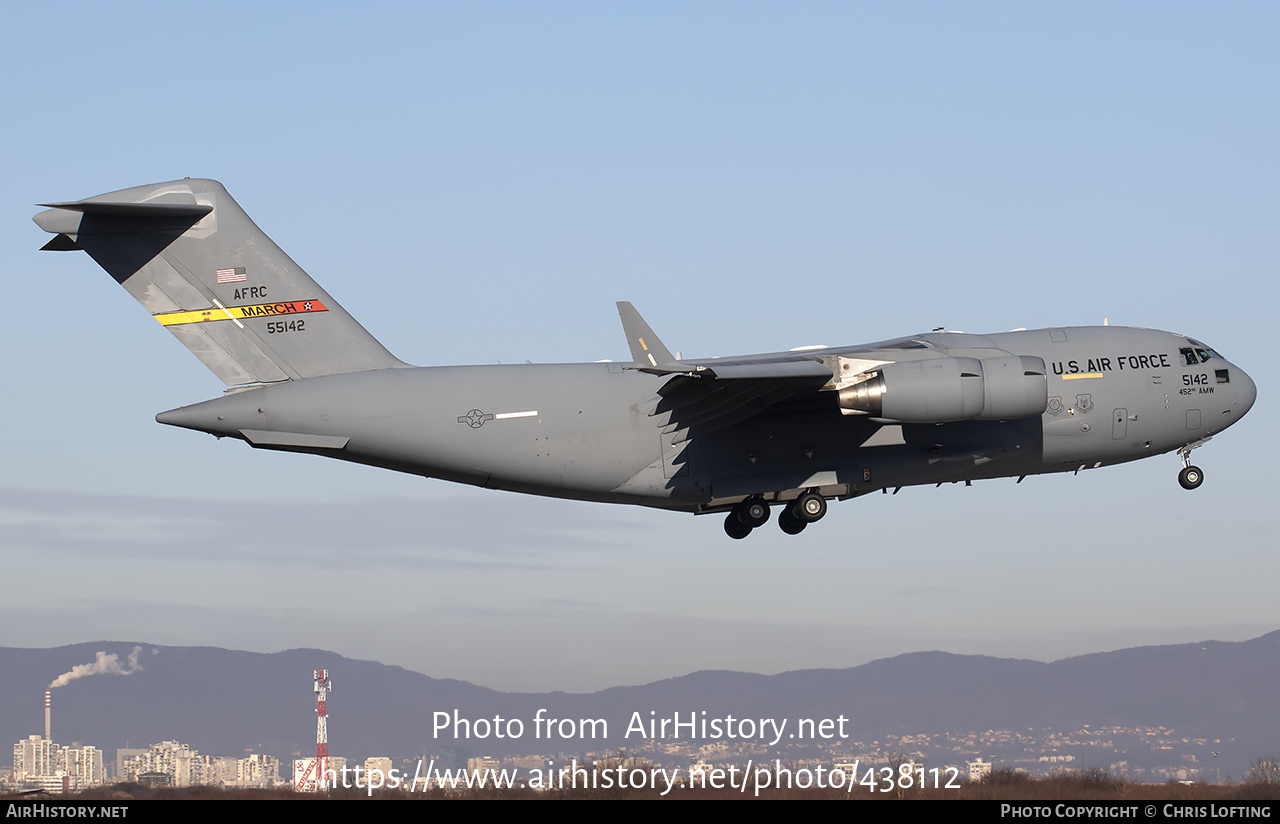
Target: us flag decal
236, 275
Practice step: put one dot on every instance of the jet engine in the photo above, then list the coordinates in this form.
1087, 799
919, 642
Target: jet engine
938, 390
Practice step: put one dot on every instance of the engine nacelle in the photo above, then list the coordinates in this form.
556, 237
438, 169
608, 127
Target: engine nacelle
938, 390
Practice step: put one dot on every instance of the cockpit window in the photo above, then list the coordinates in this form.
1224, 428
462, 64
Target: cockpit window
1207, 353
1195, 356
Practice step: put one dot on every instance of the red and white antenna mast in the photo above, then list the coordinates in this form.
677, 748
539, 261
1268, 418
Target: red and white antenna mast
322, 728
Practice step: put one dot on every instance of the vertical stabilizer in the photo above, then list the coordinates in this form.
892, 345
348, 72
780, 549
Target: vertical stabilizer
192, 257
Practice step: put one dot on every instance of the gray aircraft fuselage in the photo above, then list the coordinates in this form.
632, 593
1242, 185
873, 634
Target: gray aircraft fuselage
737, 435
586, 431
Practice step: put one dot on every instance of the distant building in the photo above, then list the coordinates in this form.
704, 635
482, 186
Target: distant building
978, 769
122, 754
34, 756
225, 772
83, 765
47, 765
478, 765
154, 779
257, 771
377, 772
184, 766
849, 769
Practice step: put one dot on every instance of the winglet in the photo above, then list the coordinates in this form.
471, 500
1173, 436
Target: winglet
647, 350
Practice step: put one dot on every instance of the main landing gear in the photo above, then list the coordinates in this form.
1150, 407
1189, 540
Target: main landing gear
746, 516
792, 519
1191, 476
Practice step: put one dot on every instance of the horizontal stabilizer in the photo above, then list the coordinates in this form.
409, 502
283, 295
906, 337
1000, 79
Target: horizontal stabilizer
143, 210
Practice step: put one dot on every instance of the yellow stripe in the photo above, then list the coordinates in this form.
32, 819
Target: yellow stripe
1082, 375
261, 310
200, 316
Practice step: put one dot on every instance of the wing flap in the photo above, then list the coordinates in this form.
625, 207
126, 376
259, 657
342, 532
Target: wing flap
769, 370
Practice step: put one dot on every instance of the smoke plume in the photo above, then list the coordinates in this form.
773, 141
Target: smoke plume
103, 664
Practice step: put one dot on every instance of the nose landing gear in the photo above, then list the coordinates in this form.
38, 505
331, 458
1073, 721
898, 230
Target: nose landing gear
1191, 476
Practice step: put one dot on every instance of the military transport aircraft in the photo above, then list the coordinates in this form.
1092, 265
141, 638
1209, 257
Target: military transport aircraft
736, 435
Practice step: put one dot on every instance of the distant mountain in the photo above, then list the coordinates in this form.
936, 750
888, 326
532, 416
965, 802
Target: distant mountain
224, 702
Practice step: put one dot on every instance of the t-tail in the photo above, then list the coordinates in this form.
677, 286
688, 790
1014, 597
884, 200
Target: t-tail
192, 257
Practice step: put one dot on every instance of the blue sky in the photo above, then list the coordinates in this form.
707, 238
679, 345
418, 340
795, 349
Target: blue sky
480, 182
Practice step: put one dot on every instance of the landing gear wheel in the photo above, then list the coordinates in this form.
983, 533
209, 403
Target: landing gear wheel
789, 523
752, 512
809, 507
1190, 477
734, 528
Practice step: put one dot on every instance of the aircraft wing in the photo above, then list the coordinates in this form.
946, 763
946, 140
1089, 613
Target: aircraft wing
710, 394
707, 403
932, 378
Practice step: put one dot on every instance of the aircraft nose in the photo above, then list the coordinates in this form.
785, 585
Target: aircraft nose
1246, 392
